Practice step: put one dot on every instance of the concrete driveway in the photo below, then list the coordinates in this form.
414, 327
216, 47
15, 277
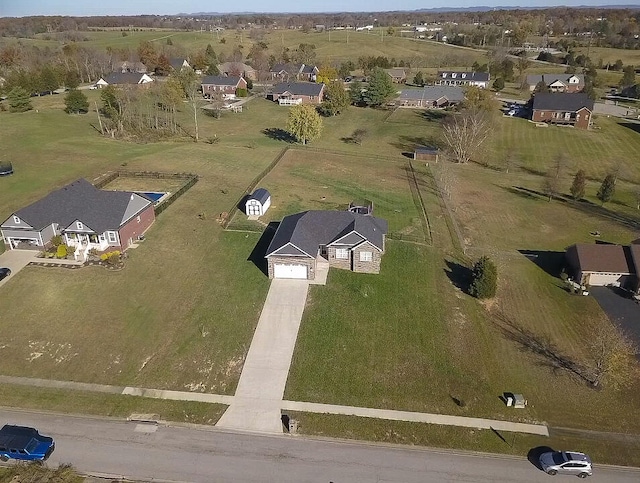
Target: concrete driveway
620, 309
258, 399
16, 260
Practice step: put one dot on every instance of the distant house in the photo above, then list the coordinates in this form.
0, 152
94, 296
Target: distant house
426, 153
124, 79
453, 78
291, 93
600, 264
227, 85
288, 71
129, 66
178, 63
398, 76
431, 97
258, 202
562, 108
557, 82
345, 240
237, 69
85, 216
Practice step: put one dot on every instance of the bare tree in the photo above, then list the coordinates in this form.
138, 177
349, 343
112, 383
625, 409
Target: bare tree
465, 133
613, 357
552, 178
189, 82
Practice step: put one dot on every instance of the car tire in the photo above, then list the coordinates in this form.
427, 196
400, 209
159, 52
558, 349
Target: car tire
583, 475
4, 458
552, 472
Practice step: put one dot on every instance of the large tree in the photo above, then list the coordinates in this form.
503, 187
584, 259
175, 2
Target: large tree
612, 357
355, 92
579, 184
336, 99
380, 89
76, 102
465, 133
304, 123
607, 189
19, 100
189, 82
628, 76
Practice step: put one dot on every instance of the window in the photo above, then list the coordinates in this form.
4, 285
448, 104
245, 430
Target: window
113, 238
342, 253
366, 256
16, 219
79, 225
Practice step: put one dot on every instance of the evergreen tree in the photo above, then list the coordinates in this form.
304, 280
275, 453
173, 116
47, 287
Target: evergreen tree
304, 123
418, 79
607, 189
498, 84
19, 100
578, 186
628, 76
484, 279
355, 92
380, 88
76, 102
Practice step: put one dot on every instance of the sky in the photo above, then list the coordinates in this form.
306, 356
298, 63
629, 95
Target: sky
23, 8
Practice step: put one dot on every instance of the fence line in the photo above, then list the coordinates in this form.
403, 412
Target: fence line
452, 225
413, 185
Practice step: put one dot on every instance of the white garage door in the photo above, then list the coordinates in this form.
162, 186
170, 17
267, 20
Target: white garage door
601, 279
289, 271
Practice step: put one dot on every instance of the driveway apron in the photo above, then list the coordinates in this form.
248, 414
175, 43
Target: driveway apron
16, 260
258, 398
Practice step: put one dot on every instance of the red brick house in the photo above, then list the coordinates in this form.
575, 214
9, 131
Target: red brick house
227, 85
292, 93
84, 216
563, 109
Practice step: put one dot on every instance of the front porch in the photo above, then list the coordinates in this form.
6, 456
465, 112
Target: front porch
83, 243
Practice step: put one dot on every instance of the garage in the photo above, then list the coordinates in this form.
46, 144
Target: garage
281, 270
602, 279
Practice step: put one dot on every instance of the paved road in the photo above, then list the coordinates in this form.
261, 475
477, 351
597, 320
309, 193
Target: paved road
208, 455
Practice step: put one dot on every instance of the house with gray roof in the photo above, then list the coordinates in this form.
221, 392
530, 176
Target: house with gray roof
345, 240
431, 97
454, 78
237, 69
179, 63
292, 93
563, 109
227, 85
124, 79
557, 82
85, 216
601, 264
288, 70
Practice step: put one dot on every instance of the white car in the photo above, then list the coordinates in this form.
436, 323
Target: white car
566, 462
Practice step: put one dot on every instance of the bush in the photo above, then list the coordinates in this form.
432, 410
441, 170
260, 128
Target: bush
61, 251
484, 279
56, 241
111, 258
241, 92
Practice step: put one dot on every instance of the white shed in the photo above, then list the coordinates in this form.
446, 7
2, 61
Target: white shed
258, 203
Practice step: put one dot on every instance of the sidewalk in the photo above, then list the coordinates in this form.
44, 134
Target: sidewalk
245, 405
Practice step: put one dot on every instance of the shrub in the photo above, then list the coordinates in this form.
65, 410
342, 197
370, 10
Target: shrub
112, 258
56, 241
241, 92
61, 251
484, 279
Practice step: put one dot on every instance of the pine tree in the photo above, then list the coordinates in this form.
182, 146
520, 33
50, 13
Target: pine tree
76, 102
607, 189
484, 279
19, 100
380, 88
578, 186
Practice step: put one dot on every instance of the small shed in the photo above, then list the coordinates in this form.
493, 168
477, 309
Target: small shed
426, 153
258, 203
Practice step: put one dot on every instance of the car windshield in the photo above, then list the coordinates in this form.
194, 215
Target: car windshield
31, 447
558, 458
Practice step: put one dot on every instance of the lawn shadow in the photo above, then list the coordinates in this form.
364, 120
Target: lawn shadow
278, 134
260, 250
534, 171
410, 143
459, 275
534, 455
522, 192
549, 261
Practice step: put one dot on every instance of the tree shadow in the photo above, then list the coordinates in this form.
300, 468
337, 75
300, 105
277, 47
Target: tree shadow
522, 192
634, 126
431, 115
541, 346
407, 144
260, 250
534, 171
459, 275
278, 134
534, 455
549, 261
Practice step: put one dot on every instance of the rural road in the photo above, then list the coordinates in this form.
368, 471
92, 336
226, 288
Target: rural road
154, 453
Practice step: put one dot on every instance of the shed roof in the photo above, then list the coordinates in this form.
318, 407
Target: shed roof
221, 80
562, 101
261, 195
310, 229
600, 257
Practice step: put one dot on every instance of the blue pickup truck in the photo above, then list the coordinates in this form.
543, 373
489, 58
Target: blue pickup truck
23, 443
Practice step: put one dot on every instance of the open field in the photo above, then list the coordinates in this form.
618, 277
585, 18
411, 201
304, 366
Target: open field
610, 55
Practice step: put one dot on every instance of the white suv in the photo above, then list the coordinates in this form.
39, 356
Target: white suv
566, 462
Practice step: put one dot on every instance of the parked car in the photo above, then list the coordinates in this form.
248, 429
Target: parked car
24, 443
511, 113
566, 462
4, 272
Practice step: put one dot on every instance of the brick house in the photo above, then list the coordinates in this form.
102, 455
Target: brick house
345, 240
291, 93
562, 108
85, 216
227, 85
288, 70
557, 82
398, 76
